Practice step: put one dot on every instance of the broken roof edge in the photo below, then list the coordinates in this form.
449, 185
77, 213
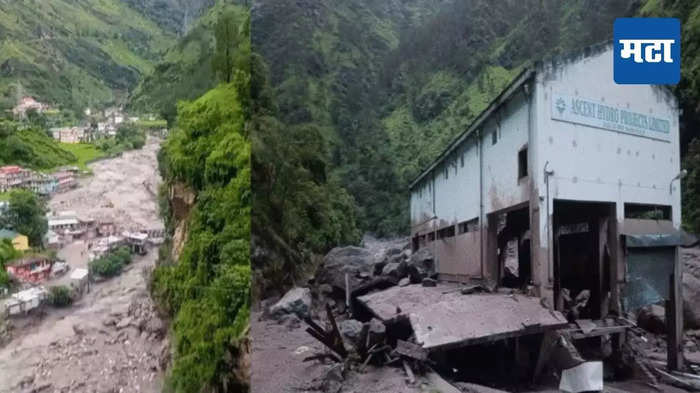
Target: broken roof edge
503, 97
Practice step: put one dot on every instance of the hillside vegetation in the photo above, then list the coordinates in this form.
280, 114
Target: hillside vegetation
185, 72
75, 54
205, 286
31, 148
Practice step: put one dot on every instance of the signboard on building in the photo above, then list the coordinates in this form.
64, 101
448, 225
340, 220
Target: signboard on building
600, 115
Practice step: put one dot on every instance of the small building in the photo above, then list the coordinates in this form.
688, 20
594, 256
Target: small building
70, 134
138, 241
24, 301
30, 269
106, 228
42, 184
19, 242
65, 180
26, 104
79, 280
13, 176
63, 223
566, 182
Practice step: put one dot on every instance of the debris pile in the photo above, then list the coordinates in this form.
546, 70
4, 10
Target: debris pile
371, 311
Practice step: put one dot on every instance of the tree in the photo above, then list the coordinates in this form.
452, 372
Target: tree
26, 214
228, 32
7, 253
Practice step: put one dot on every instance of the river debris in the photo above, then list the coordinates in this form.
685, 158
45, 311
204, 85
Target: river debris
390, 310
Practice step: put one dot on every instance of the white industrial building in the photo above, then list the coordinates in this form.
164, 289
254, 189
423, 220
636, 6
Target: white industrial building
566, 182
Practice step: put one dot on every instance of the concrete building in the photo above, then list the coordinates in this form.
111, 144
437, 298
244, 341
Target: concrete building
566, 182
30, 269
42, 184
13, 176
65, 180
70, 134
26, 104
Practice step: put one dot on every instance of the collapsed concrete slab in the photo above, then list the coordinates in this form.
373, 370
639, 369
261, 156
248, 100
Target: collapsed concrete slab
443, 318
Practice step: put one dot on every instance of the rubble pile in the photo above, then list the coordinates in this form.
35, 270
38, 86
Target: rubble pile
127, 354
344, 308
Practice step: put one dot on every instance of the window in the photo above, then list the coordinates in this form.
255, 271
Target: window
461, 160
446, 232
468, 226
647, 212
494, 137
522, 163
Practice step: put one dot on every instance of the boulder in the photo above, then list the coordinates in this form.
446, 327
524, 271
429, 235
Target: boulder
652, 319
429, 282
126, 321
395, 269
295, 301
351, 330
404, 282
155, 325
421, 265
691, 301
342, 260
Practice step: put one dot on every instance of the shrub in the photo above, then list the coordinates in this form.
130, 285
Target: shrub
111, 264
60, 296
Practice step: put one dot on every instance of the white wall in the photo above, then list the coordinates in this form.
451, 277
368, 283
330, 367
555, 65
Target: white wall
595, 164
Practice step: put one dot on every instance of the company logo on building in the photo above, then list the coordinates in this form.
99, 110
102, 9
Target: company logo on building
647, 50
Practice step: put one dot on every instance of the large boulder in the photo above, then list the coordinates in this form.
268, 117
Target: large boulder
421, 265
652, 319
297, 301
353, 261
351, 331
397, 270
691, 301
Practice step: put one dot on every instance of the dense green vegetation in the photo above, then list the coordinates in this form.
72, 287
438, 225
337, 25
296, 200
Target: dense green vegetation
31, 148
388, 85
112, 263
7, 253
186, 71
207, 288
688, 93
76, 54
60, 296
128, 137
25, 214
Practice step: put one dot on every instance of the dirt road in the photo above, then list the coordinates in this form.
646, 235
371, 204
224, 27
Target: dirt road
111, 340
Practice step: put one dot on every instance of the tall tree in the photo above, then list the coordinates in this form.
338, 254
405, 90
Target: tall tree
228, 36
26, 214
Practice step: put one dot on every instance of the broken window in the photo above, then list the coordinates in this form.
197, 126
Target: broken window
431, 236
647, 212
461, 160
494, 137
522, 163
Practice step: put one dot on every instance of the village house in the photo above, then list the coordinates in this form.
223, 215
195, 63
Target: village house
565, 183
26, 104
13, 176
42, 184
70, 134
106, 228
63, 222
19, 242
25, 301
65, 180
30, 269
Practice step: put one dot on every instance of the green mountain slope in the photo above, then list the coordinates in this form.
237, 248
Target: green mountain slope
390, 83
31, 148
75, 53
185, 72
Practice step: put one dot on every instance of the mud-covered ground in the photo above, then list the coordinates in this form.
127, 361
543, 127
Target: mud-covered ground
111, 340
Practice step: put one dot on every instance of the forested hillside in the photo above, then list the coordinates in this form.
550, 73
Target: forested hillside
75, 54
31, 148
203, 276
384, 86
185, 72
390, 84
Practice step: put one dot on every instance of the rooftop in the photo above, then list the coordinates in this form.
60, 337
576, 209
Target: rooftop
8, 234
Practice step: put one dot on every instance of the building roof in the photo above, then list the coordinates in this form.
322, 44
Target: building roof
503, 97
8, 234
54, 221
508, 92
78, 274
28, 260
10, 169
